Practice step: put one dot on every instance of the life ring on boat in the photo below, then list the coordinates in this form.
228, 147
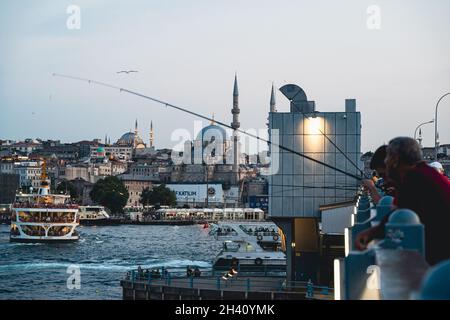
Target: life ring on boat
259, 237
276, 237
258, 261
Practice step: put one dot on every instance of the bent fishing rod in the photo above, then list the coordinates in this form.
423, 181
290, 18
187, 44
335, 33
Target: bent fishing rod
167, 104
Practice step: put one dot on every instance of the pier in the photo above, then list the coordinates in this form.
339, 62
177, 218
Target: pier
216, 288
161, 222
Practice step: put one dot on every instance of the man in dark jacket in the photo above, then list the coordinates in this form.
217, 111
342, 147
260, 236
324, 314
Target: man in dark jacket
377, 164
421, 189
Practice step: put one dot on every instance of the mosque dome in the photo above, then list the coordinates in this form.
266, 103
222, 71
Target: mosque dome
212, 132
128, 139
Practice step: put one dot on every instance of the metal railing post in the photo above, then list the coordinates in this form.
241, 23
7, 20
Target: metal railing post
191, 282
404, 230
248, 284
218, 283
309, 290
169, 279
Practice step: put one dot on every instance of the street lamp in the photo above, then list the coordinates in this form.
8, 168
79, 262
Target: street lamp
435, 126
415, 131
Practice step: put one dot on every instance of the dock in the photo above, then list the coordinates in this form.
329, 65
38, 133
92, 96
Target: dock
216, 288
161, 222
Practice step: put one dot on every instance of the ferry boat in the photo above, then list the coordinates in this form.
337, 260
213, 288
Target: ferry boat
95, 216
249, 248
43, 217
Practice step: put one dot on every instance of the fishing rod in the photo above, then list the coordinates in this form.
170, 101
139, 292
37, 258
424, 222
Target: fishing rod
295, 188
167, 104
342, 187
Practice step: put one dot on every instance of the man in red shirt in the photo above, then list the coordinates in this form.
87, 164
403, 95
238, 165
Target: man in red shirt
419, 188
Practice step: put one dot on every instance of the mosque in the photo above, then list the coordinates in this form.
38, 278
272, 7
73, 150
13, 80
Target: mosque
209, 164
127, 146
214, 156
132, 139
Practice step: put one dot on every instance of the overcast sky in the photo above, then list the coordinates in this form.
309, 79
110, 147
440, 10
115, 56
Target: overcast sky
187, 52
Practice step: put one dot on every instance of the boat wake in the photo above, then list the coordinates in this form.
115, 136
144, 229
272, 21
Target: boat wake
171, 264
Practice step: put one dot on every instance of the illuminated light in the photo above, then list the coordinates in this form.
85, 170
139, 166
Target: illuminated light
346, 241
314, 125
353, 220
293, 244
337, 279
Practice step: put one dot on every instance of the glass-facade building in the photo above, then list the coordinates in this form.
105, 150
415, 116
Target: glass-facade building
299, 186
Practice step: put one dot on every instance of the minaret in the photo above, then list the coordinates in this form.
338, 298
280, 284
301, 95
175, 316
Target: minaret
235, 125
106, 139
272, 100
135, 134
272, 109
235, 111
151, 135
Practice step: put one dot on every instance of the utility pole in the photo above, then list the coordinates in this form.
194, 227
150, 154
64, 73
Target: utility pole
207, 186
418, 127
436, 138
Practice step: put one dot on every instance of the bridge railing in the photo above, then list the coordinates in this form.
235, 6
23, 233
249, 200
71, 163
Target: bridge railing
236, 282
392, 268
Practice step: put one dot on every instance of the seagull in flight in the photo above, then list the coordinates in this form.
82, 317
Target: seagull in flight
126, 71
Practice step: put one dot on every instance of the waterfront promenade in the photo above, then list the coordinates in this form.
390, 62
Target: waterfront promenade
217, 288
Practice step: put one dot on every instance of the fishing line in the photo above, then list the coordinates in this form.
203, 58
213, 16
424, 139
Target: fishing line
208, 119
295, 188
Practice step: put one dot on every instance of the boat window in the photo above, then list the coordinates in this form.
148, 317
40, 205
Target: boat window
58, 231
33, 230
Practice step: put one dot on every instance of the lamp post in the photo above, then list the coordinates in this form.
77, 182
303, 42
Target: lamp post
435, 126
417, 128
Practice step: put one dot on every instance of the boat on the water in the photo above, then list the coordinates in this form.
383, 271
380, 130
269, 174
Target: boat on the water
43, 217
96, 216
249, 247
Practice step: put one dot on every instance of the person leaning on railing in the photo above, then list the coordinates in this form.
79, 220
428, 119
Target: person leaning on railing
421, 189
377, 164
197, 272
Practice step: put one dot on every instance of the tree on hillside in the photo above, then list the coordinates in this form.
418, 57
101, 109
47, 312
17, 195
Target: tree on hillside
111, 193
66, 187
158, 196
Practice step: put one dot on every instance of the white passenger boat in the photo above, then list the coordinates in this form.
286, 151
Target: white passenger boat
249, 247
43, 217
95, 216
